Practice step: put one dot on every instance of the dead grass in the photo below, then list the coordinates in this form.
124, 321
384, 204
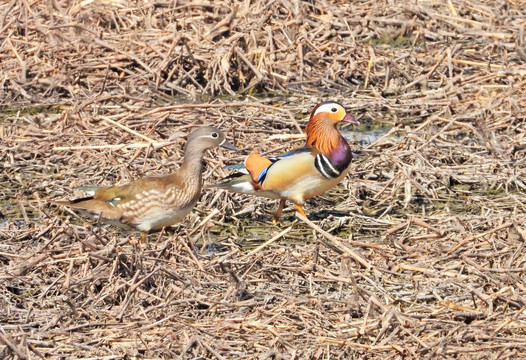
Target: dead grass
423, 255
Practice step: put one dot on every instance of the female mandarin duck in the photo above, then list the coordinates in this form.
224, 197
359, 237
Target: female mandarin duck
155, 202
302, 173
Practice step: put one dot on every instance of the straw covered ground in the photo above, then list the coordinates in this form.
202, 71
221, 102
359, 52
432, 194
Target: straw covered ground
418, 254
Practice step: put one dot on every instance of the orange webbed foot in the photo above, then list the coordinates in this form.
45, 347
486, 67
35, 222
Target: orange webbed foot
300, 210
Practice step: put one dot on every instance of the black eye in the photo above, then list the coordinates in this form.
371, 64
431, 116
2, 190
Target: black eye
215, 135
334, 109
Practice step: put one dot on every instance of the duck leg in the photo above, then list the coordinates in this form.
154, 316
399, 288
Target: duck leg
278, 212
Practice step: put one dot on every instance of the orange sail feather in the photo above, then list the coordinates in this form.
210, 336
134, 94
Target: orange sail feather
255, 164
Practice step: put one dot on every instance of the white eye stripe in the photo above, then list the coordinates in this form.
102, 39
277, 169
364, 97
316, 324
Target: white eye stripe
209, 136
328, 108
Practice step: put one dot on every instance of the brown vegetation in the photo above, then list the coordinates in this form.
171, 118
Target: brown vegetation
419, 253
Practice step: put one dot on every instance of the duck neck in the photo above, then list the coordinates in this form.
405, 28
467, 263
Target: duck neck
341, 157
192, 165
324, 137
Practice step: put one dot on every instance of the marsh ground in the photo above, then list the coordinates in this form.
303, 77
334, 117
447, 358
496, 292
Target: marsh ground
424, 256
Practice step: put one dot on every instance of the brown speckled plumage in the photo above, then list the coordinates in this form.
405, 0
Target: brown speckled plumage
155, 202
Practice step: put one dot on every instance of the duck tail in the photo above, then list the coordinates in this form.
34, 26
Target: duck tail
237, 182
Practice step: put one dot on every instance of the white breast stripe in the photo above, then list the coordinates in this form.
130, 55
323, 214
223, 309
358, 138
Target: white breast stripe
328, 163
320, 167
325, 167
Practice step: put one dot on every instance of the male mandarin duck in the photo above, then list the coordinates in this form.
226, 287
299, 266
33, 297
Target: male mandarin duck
302, 173
155, 202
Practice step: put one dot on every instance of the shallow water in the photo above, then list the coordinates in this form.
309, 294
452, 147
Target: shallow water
365, 134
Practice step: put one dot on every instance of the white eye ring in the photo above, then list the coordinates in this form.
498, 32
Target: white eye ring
215, 135
327, 108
